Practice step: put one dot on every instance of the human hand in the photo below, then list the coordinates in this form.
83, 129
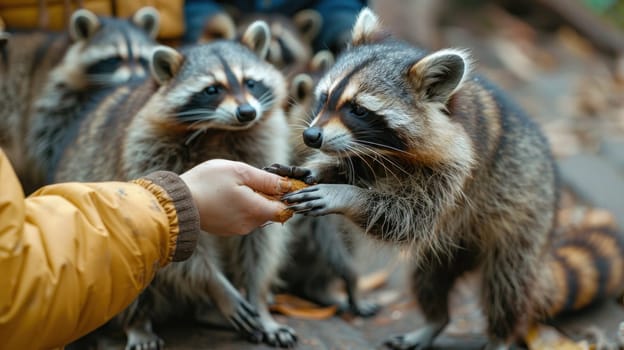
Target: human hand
229, 196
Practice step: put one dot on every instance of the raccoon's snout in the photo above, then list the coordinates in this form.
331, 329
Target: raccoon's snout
245, 113
313, 137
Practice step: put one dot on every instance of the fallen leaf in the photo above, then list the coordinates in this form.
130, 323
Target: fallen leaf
373, 280
293, 306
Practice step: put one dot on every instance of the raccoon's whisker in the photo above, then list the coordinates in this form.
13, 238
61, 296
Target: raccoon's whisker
195, 112
268, 101
380, 145
358, 153
194, 135
349, 163
384, 159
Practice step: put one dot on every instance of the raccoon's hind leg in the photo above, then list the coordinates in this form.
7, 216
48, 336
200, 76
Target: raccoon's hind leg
138, 325
509, 283
142, 337
358, 306
431, 283
259, 256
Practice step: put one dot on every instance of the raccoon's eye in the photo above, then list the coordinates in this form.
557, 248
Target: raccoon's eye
358, 110
105, 66
250, 83
212, 90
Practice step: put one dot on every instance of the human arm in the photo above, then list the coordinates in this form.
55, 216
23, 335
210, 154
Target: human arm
73, 255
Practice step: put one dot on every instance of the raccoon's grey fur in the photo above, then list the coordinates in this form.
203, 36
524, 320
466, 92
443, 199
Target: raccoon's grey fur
422, 154
218, 100
319, 252
99, 53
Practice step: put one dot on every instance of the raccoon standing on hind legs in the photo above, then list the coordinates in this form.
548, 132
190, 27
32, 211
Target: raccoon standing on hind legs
320, 251
218, 100
418, 152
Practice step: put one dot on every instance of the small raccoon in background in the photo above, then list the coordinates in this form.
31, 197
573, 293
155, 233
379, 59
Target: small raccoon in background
52, 76
217, 100
421, 154
290, 48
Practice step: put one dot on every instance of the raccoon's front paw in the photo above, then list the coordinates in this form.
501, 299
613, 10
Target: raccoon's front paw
143, 340
406, 342
365, 308
280, 336
321, 199
246, 320
419, 339
295, 172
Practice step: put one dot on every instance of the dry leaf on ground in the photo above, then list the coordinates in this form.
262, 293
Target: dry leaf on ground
293, 306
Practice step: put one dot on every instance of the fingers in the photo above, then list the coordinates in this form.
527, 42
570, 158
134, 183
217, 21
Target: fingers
263, 181
264, 209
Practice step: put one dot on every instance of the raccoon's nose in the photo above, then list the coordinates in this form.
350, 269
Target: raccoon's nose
313, 137
245, 113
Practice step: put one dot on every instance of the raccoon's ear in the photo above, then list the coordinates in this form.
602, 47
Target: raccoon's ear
367, 29
165, 63
148, 19
440, 74
309, 23
301, 87
219, 26
257, 37
322, 61
82, 24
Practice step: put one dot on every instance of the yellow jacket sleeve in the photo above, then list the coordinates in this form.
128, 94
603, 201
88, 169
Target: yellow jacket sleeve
73, 255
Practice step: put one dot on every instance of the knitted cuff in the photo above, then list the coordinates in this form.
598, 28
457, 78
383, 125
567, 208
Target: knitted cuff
187, 214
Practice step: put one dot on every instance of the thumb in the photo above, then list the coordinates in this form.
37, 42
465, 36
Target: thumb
265, 182
266, 208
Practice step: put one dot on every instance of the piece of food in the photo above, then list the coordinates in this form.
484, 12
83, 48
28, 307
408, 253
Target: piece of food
295, 185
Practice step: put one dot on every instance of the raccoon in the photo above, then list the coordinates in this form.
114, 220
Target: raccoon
218, 100
422, 154
320, 251
64, 72
290, 48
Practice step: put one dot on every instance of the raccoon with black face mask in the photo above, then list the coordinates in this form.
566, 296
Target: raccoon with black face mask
218, 100
62, 73
320, 250
420, 153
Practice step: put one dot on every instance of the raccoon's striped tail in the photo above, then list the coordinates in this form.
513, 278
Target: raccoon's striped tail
586, 265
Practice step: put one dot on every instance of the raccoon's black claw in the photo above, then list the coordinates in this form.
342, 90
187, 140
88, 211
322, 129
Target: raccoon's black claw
246, 320
304, 208
294, 172
301, 195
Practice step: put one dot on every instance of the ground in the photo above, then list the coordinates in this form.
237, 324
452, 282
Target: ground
577, 94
